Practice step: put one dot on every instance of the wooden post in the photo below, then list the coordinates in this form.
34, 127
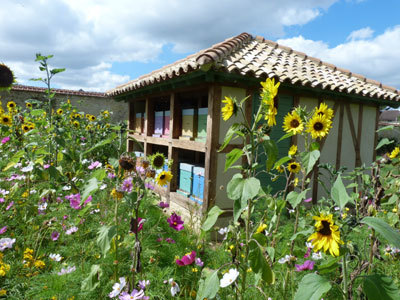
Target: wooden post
376, 134
340, 134
149, 120
211, 155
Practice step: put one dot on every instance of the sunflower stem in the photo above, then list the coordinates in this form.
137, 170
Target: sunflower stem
345, 289
371, 250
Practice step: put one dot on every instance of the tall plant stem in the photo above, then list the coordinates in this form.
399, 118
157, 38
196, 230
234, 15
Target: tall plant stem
371, 250
116, 239
345, 288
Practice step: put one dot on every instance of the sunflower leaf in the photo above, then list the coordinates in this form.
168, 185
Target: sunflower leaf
390, 234
212, 217
339, 193
312, 287
232, 157
378, 287
209, 286
309, 159
295, 198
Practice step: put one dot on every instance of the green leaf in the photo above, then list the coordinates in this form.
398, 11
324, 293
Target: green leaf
380, 226
93, 280
91, 186
379, 287
309, 159
328, 267
271, 149
287, 135
99, 174
14, 159
37, 112
209, 287
383, 142
232, 157
312, 287
212, 218
55, 71
389, 127
259, 263
295, 198
229, 135
106, 234
237, 210
339, 193
304, 232
282, 161
101, 144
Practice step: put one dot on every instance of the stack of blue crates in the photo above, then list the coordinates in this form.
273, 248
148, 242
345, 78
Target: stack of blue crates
191, 182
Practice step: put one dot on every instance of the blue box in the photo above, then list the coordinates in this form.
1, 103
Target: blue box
185, 177
198, 182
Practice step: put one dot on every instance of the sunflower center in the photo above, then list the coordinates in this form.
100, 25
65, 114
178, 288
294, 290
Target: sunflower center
294, 123
318, 126
162, 176
326, 228
293, 166
158, 161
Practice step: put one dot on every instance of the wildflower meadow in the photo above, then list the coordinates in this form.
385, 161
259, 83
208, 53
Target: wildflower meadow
80, 218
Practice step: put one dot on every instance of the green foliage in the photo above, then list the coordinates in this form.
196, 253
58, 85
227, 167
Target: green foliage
212, 218
390, 234
339, 193
378, 287
312, 287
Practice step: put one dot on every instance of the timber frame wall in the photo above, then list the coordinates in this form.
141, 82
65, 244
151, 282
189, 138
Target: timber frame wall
341, 109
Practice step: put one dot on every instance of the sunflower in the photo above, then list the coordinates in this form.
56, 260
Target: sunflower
106, 113
319, 126
394, 153
78, 116
327, 235
229, 109
11, 106
324, 110
269, 91
76, 124
92, 118
6, 120
60, 111
31, 125
163, 178
292, 123
157, 160
292, 150
293, 167
28, 105
25, 127
270, 116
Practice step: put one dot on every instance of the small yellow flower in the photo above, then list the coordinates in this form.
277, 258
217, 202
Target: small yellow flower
163, 178
261, 228
249, 270
229, 109
76, 124
3, 292
324, 110
279, 169
270, 115
394, 210
231, 247
296, 182
6, 120
39, 264
11, 106
28, 105
292, 150
269, 90
394, 153
60, 111
116, 195
194, 270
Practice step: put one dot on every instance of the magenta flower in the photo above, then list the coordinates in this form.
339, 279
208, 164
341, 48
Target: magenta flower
149, 186
137, 225
163, 204
4, 229
308, 200
175, 222
187, 259
160, 239
74, 200
10, 205
2, 200
170, 241
307, 265
5, 140
111, 175
87, 200
55, 235
46, 166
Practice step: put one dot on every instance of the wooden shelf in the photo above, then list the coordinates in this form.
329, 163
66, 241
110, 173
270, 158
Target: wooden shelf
176, 143
183, 201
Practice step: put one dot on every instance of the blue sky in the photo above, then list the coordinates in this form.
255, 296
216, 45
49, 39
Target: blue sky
104, 43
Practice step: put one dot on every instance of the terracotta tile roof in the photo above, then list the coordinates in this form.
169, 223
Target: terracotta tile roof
261, 58
28, 88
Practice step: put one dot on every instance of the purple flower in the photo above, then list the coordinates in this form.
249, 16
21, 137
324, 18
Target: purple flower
308, 200
46, 166
6, 243
143, 283
160, 239
163, 204
307, 253
74, 200
4, 229
94, 165
55, 235
10, 205
127, 185
175, 222
135, 295
149, 186
111, 175
169, 240
2, 200
72, 230
88, 199
187, 259
5, 140
199, 262
307, 265
66, 270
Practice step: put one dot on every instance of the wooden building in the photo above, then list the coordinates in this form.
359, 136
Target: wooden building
235, 68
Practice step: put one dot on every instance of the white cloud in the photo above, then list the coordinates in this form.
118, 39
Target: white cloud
361, 34
376, 58
86, 37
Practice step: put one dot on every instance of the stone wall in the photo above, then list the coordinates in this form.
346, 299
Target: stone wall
92, 103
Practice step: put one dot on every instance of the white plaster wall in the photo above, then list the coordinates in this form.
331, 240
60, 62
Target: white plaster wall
348, 154
368, 134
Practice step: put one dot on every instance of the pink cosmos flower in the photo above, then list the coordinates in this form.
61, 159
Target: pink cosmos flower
55, 235
127, 185
307, 265
6, 243
74, 200
149, 186
160, 239
308, 200
5, 140
10, 205
94, 165
72, 230
169, 240
187, 259
199, 262
46, 166
137, 225
163, 204
4, 229
175, 222
88, 199
135, 295
2, 200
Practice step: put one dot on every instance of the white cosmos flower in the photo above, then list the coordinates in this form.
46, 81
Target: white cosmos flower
6, 243
28, 168
42, 206
66, 188
223, 231
229, 278
174, 287
55, 257
317, 255
117, 287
